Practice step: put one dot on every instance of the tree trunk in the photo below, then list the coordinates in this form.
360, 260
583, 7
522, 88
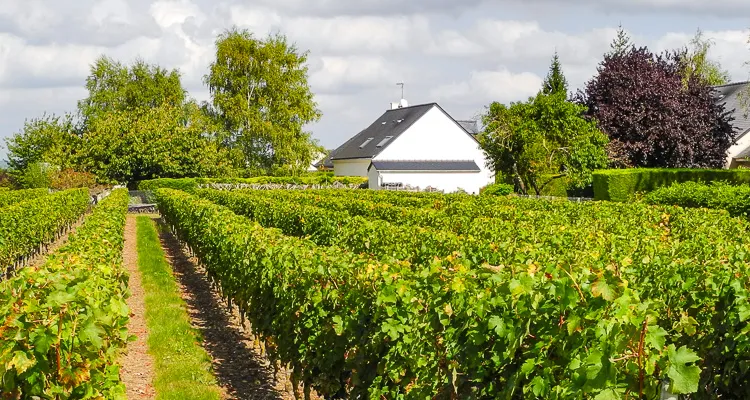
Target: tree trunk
519, 181
536, 187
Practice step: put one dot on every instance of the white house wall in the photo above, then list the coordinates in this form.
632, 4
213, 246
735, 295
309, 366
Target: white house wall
471, 182
355, 167
742, 144
436, 137
372, 179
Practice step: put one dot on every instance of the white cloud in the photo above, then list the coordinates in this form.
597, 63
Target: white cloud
167, 13
730, 48
371, 7
28, 66
724, 8
461, 54
509, 40
259, 20
361, 35
483, 87
336, 73
111, 12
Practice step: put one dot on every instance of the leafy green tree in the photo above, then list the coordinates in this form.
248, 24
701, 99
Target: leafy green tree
555, 82
545, 135
36, 175
114, 86
261, 96
154, 142
695, 62
49, 139
138, 123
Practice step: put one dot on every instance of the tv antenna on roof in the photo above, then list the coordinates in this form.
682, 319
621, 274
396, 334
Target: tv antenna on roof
402, 88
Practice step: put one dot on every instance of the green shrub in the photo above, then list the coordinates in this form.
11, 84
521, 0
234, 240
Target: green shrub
36, 176
496, 189
554, 185
622, 184
718, 195
6, 181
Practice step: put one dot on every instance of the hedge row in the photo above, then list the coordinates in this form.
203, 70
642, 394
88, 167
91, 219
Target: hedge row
8, 197
622, 184
560, 311
64, 322
26, 226
190, 184
718, 195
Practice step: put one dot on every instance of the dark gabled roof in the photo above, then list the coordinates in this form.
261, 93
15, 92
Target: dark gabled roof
730, 95
469, 126
392, 123
326, 162
426, 165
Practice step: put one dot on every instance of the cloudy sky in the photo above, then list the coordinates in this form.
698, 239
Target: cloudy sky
461, 54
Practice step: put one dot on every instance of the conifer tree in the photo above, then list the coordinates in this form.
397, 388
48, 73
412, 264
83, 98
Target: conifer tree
621, 42
555, 82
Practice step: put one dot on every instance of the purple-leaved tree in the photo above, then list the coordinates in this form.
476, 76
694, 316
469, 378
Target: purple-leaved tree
653, 116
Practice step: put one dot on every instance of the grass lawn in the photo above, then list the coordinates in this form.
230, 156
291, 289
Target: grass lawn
182, 367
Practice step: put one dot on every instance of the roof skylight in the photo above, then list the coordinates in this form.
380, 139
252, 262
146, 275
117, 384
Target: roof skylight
369, 139
384, 141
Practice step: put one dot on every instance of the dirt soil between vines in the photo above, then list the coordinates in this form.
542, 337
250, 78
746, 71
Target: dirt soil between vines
137, 371
238, 364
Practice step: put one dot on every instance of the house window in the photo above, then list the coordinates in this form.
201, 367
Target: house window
384, 141
369, 139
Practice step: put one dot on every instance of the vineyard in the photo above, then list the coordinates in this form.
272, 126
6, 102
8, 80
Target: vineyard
382, 295
392, 295
63, 321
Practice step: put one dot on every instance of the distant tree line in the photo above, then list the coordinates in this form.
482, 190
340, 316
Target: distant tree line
640, 110
138, 121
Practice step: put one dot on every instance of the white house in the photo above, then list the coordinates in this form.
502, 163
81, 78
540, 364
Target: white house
730, 95
419, 146
314, 166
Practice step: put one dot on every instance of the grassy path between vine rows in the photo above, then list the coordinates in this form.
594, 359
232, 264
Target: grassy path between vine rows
137, 365
182, 367
240, 368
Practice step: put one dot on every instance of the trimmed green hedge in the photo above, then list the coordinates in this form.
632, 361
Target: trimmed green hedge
718, 195
190, 184
553, 185
496, 189
622, 184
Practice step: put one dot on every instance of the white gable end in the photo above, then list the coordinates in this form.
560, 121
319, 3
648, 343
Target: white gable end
435, 136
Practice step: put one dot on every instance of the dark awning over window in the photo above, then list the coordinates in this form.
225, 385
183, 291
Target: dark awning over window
427, 166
